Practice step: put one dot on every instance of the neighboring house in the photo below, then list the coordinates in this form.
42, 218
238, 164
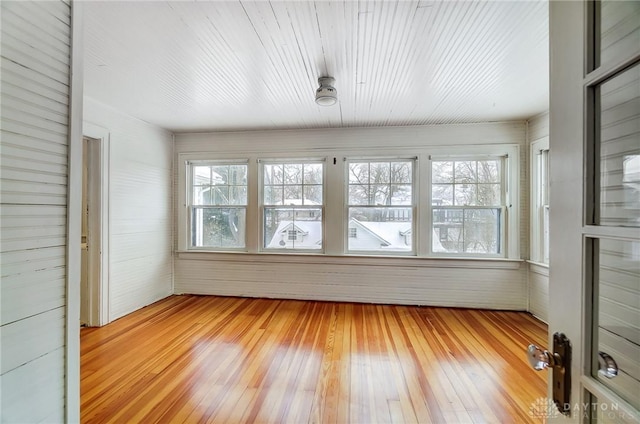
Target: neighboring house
363, 235
297, 235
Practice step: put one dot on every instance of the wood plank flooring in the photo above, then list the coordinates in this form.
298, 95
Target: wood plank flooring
197, 359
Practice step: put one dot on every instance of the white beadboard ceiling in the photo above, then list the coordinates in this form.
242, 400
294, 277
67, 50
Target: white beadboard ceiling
234, 65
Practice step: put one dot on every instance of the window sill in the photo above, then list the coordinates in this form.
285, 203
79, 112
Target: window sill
351, 259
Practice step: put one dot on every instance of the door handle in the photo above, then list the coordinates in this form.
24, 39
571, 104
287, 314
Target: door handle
540, 359
607, 366
559, 362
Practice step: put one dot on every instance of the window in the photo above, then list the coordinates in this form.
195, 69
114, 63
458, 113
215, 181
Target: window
456, 201
544, 199
540, 201
218, 203
467, 201
292, 205
380, 205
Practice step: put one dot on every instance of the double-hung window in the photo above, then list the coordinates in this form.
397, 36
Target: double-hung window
292, 205
467, 206
540, 201
380, 206
217, 205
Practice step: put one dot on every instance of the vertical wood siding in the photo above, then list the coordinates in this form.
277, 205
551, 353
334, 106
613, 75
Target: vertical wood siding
538, 278
36, 39
376, 280
140, 243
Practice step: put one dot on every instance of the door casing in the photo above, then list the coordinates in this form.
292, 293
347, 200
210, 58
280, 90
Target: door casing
98, 224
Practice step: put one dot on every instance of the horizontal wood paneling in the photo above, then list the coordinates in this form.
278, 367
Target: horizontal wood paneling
36, 60
45, 21
211, 359
31, 338
539, 292
538, 127
140, 205
25, 294
619, 29
401, 284
355, 138
618, 316
34, 392
30, 81
620, 148
35, 78
29, 130
395, 282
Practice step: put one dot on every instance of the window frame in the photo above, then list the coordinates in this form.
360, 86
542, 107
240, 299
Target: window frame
335, 187
539, 200
189, 204
504, 204
413, 206
262, 248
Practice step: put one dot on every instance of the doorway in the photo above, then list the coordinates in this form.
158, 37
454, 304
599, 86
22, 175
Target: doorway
94, 232
90, 234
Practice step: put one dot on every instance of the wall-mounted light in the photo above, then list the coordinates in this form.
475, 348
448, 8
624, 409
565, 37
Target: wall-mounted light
326, 94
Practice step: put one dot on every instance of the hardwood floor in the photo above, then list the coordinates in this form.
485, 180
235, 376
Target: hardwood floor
214, 359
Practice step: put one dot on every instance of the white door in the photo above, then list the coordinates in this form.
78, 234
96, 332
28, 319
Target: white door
84, 245
91, 243
594, 266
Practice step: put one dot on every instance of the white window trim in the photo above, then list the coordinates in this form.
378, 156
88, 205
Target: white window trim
335, 235
183, 202
291, 160
414, 204
188, 170
504, 207
510, 215
536, 238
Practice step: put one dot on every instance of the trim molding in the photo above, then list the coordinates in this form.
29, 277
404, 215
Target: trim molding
539, 268
102, 136
385, 261
74, 206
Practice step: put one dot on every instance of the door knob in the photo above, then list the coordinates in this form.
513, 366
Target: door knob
541, 359
607, 366
559, 362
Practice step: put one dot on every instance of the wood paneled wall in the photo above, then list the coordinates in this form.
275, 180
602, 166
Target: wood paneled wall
140, 210
35, 85
426, 281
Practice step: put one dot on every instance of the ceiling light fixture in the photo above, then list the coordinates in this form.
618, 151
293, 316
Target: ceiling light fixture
326, 94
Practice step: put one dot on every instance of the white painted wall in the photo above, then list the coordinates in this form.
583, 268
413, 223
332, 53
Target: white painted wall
35, 85
498, 284
140, 210
538, 274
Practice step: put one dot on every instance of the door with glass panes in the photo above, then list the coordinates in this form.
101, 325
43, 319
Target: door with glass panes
595, 207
